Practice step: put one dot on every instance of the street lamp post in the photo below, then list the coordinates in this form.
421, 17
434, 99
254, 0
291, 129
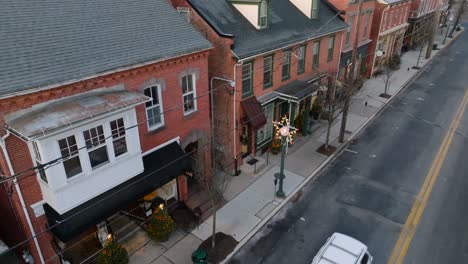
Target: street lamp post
286, 132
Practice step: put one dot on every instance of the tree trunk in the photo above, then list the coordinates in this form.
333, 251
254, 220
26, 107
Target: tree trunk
213, 237
351, 81
461, 10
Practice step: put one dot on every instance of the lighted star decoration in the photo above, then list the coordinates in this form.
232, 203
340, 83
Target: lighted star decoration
284, 128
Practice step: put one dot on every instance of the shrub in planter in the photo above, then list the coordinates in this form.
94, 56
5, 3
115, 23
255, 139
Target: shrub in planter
315, 110
160, 225
113, 253
276, 143
299, 122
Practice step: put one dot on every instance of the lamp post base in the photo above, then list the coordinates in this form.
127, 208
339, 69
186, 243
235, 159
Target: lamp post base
280, 192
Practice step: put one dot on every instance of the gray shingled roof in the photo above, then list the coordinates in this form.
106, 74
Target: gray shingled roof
47, 42
288, 25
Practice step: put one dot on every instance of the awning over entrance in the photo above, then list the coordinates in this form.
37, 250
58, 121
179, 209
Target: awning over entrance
297, 90
161, 166
254, 112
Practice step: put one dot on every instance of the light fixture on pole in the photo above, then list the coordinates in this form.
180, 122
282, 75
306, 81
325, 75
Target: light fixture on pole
286, 132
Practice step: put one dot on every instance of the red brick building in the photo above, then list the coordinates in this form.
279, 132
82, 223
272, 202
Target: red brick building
111, 110
273, 53
422, 16
388, 29
351, 14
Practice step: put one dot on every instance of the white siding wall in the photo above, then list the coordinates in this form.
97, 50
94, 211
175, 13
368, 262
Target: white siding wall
64, 194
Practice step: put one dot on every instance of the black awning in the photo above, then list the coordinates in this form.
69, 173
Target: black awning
160, 169
254, 112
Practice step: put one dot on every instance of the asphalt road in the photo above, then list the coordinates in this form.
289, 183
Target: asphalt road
369, 194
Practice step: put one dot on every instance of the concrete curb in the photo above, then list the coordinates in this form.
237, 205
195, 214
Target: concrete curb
340, 149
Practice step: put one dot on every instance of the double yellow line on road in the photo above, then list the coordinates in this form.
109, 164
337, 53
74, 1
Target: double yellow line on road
408, 230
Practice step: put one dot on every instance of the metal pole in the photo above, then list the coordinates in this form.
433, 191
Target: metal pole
280, 176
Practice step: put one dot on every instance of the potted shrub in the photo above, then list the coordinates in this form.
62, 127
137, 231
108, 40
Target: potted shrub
316, 108
276, 142
113, 253
160, 225
299, 122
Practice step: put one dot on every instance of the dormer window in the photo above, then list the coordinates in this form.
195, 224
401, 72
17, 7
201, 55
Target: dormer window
315, 9
263, 15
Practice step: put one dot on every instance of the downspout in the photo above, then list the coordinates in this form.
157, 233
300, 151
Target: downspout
234, 134
20, 195
339, 58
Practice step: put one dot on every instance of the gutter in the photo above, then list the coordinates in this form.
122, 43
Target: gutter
292, 44
211, 23
20, 195
125, 68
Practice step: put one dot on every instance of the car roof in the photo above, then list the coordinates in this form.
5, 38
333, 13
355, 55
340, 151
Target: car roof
342, 249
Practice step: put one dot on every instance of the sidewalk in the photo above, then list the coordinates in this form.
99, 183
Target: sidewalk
251, 197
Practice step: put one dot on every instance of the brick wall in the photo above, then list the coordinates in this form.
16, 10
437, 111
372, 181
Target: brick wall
176, 124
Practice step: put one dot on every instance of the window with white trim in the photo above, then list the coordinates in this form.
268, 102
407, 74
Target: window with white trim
331, 47
247, 78
118, 137
285, 71
69, 152
189, 94
301, 59
268, 71
154, 110
316, 54
39, 166
96, 144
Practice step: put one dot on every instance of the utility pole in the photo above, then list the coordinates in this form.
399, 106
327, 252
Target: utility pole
435, 25
350, 87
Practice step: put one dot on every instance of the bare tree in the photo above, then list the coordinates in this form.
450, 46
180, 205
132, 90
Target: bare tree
213, 181
332, 103
387, 77
460, 11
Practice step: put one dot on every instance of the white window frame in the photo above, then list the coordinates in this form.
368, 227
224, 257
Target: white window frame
118, 134
316, 54
247, 76
100, 144
301, 52
268, 67
193, 92
70, 155
160, 105
38, 158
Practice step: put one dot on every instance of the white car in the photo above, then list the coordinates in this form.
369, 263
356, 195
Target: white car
342, 249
